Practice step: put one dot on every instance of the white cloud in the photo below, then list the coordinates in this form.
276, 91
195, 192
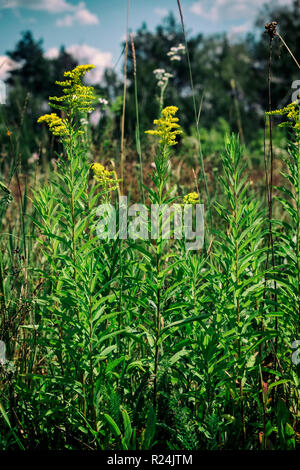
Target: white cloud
241, 29
76, 14
161, 12
52, 53
80, 16
53, 6
222, 10
123, 37
6, 64
85, 54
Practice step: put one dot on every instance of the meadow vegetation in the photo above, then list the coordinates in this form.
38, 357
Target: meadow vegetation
140, 343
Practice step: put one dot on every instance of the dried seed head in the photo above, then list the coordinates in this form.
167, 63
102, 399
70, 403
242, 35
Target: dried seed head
271, 29
133, 54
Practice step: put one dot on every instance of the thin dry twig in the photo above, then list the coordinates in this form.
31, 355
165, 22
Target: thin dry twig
124, 104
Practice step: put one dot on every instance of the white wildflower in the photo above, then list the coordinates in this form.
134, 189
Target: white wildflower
103, 101
162, 77
159, 71
175, 51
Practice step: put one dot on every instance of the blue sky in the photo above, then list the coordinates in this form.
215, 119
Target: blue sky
93, 29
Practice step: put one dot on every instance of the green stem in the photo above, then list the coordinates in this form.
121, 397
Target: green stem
236, 211
298, 237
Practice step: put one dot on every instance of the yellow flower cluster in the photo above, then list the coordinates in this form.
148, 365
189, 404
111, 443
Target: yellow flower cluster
167, 126
56, 125
76, 96
191, 198
107, 178
292, 111
79, 71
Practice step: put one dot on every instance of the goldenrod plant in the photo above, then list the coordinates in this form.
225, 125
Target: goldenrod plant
73, 312
287, 272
